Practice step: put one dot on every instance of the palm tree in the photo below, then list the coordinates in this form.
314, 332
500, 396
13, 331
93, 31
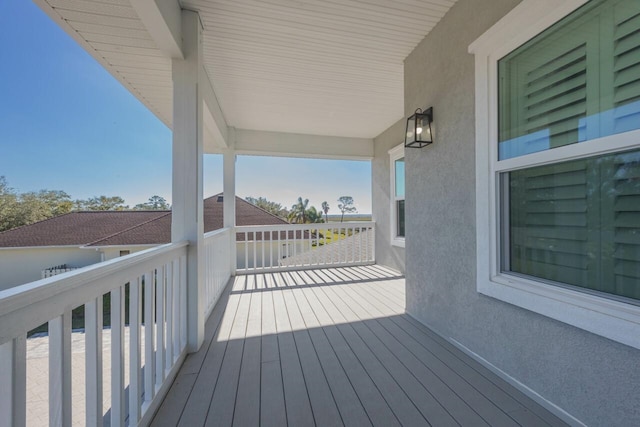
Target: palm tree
325, 209
299, 211
313, 215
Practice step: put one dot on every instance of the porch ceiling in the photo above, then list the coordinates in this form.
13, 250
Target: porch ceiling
309, 67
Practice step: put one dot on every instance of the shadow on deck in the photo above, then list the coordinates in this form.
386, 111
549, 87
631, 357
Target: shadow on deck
334, 347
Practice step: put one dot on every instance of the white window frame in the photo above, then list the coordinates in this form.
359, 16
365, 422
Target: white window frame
395, 153
609, 318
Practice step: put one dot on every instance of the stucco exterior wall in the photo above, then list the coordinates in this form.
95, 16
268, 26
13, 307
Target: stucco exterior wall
594, 379
24, 265
386, 253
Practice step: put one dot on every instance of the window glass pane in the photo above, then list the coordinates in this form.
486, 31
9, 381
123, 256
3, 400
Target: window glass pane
578, 80
577, 223
399, 167
400, 216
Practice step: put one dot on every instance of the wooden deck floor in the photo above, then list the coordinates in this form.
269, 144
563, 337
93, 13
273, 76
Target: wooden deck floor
329, 348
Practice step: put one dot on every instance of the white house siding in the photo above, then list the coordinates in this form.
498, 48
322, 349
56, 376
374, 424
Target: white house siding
594, 379
386, 253
114, 251
24, 265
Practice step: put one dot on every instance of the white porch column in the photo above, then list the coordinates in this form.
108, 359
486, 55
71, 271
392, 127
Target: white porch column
187, 197
229, 201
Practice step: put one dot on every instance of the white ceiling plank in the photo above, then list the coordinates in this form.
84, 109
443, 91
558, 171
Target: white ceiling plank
309, 67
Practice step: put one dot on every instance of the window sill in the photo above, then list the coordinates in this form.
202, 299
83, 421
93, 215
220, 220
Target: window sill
398, 241
608, 318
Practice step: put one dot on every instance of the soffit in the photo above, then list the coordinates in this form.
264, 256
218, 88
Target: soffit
305, 66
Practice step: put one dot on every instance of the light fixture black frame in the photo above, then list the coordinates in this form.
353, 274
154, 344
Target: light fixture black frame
420, 119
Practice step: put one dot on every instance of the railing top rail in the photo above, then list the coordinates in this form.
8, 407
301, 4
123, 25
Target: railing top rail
217, 232
45, 298
319, 225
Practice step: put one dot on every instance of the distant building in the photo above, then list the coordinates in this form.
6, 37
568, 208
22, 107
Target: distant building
78, 239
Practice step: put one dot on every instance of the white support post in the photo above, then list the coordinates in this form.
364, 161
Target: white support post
229, 200
187, 197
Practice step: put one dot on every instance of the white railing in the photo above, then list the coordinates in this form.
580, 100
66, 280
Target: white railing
217, 245
300, 246
154, 283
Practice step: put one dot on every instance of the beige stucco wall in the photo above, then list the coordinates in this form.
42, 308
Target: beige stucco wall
24, 265
386, 253
594, 379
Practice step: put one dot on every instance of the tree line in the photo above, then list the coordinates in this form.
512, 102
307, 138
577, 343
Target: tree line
300, 212
18, 209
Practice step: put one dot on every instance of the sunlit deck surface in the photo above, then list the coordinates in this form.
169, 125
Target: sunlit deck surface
334, 347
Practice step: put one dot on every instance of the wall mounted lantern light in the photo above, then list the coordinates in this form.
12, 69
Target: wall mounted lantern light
419, 129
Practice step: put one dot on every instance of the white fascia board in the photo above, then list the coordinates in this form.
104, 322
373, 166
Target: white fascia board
142, 245
163, 21
281, 144
10, 248
216, 130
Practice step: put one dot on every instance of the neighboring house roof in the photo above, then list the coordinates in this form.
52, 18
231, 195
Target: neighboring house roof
125, 228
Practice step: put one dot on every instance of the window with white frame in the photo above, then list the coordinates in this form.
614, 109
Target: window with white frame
396, 156
558, 162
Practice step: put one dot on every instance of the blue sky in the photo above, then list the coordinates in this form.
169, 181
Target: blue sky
66, 124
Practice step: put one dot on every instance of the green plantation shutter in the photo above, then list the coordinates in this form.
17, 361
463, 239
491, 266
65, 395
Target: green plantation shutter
578, 223
579, 81
621, 204
550, 223
555, 94
626, 66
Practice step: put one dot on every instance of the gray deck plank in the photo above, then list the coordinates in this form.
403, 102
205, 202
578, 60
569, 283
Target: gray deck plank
197, 406
351, 410
296, 396
272, 407
430, 408
428, 352
334, 347
373, 401
224, 396
519, 407
325, 410
247, 410
402, 406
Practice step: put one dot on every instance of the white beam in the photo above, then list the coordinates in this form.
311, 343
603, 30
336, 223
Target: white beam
229, 203
163, 21
187, 216
264, 143
216, 129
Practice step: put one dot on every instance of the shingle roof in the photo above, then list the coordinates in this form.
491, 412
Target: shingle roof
111, 228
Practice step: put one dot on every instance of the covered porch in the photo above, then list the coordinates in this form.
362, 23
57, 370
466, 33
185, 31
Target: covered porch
333, 347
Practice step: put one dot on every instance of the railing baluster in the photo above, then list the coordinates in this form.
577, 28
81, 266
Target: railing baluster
183, 302
135, 377
255, 256
353, 244
246, 250
93, 364
176, 309
149, 389
271, 249
160, 344
169, 311
60, 370
117, 357
262, 239
13, 382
